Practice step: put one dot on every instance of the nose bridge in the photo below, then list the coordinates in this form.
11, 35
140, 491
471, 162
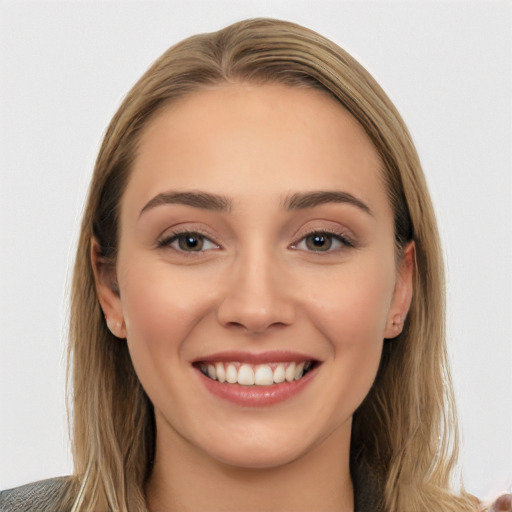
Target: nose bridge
256, 295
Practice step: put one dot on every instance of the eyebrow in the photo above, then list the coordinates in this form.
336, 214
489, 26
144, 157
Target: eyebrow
202, 200
300, 201
220, 203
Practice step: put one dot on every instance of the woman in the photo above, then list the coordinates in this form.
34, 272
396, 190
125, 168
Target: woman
257, 303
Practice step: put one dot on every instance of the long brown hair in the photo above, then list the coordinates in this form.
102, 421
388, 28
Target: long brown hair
405, 432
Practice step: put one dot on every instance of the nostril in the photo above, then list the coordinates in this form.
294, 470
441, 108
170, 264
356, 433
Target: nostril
235, 325
253, 316
255, 328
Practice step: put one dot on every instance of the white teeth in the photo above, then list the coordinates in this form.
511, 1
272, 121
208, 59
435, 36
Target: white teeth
299, 370
231, 374
221, 373
263, 375
211, 372
290, 372
260, 375
246, 375
279, 374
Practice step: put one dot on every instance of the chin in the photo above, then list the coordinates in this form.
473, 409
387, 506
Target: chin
258, 457
262, 450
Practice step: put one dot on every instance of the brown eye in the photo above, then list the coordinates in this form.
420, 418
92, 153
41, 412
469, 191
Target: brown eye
319, 241
190, 242
323, 241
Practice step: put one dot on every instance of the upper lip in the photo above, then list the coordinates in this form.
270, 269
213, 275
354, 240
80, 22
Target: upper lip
273, 356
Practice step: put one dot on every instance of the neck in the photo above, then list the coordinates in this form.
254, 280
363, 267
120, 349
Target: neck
185, 479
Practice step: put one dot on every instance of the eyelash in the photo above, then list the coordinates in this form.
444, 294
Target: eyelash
177, 235
343, 240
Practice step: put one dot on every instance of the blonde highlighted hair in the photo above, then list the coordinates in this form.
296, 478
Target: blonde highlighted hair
404, 439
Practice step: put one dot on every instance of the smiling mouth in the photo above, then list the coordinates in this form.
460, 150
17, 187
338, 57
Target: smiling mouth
255, 375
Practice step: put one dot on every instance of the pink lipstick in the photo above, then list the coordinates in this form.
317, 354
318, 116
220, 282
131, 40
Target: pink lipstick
256, 380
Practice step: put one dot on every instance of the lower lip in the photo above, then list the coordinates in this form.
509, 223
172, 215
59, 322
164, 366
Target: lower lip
257, 396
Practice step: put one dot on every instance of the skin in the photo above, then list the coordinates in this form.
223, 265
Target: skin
257, 285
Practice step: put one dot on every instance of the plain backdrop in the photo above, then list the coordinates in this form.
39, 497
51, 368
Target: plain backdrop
64, 68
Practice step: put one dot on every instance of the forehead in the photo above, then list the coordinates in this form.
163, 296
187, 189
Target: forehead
245, 139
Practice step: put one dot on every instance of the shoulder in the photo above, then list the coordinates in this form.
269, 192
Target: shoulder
42, 496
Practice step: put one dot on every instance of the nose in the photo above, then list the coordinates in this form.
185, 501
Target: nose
258, 296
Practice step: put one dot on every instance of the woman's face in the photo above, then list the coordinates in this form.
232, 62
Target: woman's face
256, 239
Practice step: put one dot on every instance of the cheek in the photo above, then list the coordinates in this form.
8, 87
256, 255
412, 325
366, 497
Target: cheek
351, 313
160, 309
352, 307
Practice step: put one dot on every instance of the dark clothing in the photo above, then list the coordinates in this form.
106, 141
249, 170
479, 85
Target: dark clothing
43, 496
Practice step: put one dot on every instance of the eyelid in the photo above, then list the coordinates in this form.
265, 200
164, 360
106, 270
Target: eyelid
346, 240
166, 240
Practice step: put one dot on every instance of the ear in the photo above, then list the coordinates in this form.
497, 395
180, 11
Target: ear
402, 294
107, 290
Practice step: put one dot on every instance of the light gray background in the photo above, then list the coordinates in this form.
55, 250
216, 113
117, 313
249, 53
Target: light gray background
65, 66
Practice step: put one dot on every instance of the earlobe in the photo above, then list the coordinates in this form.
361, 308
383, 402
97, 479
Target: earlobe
116, 327
107, 291
397, 323
402, 295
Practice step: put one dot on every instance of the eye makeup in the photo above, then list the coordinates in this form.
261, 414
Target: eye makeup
322, 241
187, 241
